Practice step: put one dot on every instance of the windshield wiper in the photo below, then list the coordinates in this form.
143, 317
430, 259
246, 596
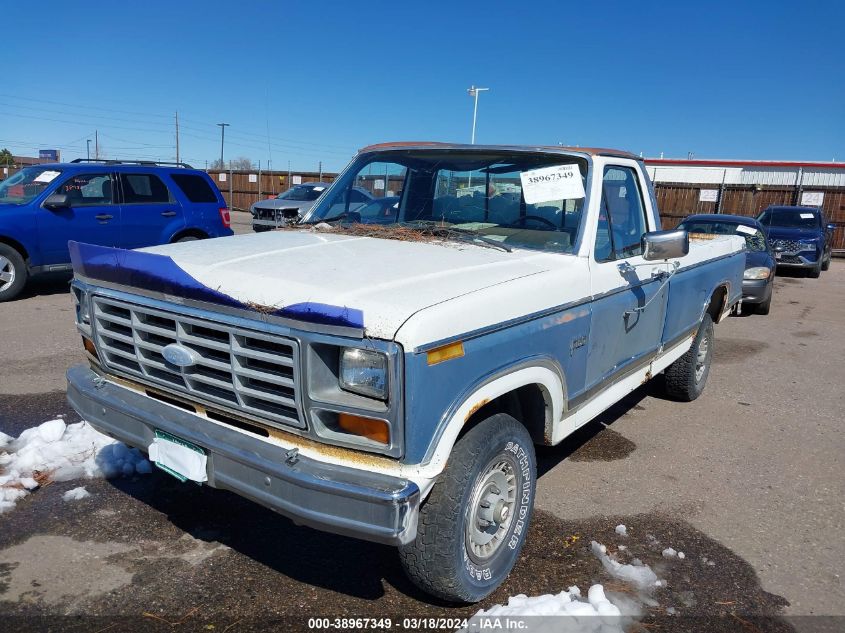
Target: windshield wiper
435, 228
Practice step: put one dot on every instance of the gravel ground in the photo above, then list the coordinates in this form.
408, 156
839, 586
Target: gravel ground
748, 477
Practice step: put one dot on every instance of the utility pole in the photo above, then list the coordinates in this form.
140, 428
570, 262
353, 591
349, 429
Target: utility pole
223, 127
88, 148
96, 145
177, 136
321, 172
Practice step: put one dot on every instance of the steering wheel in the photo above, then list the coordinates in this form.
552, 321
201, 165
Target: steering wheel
522, 219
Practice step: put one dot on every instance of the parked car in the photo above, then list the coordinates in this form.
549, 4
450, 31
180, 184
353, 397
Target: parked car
394, 390
800, 236
291, 206
759, 274
112, 203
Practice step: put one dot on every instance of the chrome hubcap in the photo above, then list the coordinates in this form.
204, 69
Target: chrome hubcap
701, 358
491, 509
7, 273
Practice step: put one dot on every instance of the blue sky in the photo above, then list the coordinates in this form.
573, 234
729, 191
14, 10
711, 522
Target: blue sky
760, 80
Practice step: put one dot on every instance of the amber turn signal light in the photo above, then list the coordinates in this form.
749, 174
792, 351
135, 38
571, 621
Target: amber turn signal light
447, 352
89, 346
376, 430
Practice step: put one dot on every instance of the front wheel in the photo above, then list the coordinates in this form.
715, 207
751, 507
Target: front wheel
686, 377
13, 273
474, 523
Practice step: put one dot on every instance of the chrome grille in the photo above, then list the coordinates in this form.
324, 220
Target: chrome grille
251, 372
793, 246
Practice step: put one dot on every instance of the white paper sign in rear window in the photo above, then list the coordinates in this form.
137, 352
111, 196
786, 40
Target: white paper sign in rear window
561, 182
812, 198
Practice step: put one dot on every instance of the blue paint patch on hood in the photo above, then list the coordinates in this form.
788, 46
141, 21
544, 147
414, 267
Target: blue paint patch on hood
159, 273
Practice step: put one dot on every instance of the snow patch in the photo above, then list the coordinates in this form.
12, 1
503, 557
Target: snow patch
636, 573
597, 613
61, 452
76, 494
621, 530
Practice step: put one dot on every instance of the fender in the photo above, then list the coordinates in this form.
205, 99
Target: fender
542, 371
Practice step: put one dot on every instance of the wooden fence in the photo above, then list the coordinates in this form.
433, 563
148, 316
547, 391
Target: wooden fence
678, 200
241, 188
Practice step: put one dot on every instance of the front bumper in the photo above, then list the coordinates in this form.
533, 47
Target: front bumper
334, 498
806, 259
756, 290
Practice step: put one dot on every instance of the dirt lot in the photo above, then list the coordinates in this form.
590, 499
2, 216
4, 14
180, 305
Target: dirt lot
746, 481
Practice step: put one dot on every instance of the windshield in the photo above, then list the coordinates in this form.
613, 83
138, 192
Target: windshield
790, 218
515, 199
302, 193
755, 241
26, 185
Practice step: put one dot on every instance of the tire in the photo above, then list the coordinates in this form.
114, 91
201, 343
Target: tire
815, 271
686, 377
826, 262
13, 273
765, 307
187, 238
453, 557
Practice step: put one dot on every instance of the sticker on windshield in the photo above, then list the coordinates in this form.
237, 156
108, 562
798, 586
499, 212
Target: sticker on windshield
46, 176
561, 182
318, 188
806, 216
748, 230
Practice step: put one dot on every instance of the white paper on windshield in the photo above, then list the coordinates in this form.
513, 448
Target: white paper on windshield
561, 182
806, 216
318, 188
46, 176
748, 230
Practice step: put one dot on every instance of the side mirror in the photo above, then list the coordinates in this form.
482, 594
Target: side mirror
57, 201
665, 244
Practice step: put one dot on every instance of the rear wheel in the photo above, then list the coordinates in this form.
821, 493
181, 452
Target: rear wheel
473, 524
686, 377
13, 273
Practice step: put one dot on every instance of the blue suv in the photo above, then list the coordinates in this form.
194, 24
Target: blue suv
110, 203
800, 237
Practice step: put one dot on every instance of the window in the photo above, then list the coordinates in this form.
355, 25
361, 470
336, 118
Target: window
196, 188
143, 189
477, 192
26, 185
87, 189
621, 217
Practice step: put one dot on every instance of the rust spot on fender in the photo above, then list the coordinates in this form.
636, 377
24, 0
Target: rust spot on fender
648, 376
475, 408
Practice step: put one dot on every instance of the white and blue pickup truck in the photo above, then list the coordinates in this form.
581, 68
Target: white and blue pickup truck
385, 373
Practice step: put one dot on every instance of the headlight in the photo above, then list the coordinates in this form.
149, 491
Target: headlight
808, 246
758, 272
363, 371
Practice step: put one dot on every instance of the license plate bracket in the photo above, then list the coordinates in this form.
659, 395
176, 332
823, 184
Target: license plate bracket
177, 457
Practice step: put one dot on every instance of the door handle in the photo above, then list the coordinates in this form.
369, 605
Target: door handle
168, 214
104, 216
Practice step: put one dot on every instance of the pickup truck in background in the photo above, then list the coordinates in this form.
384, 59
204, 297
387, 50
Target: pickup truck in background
395, 389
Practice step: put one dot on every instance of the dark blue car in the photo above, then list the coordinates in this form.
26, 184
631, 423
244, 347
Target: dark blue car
758, 279
800, 237
109, 203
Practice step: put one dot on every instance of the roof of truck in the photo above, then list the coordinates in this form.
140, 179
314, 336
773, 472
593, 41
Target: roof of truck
592, 151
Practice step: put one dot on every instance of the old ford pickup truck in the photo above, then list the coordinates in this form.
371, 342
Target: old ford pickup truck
387, 375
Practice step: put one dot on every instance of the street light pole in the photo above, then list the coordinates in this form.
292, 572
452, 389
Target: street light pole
88, 148
223, 127
472, 91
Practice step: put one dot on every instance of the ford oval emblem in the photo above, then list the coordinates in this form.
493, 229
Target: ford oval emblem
180, 356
